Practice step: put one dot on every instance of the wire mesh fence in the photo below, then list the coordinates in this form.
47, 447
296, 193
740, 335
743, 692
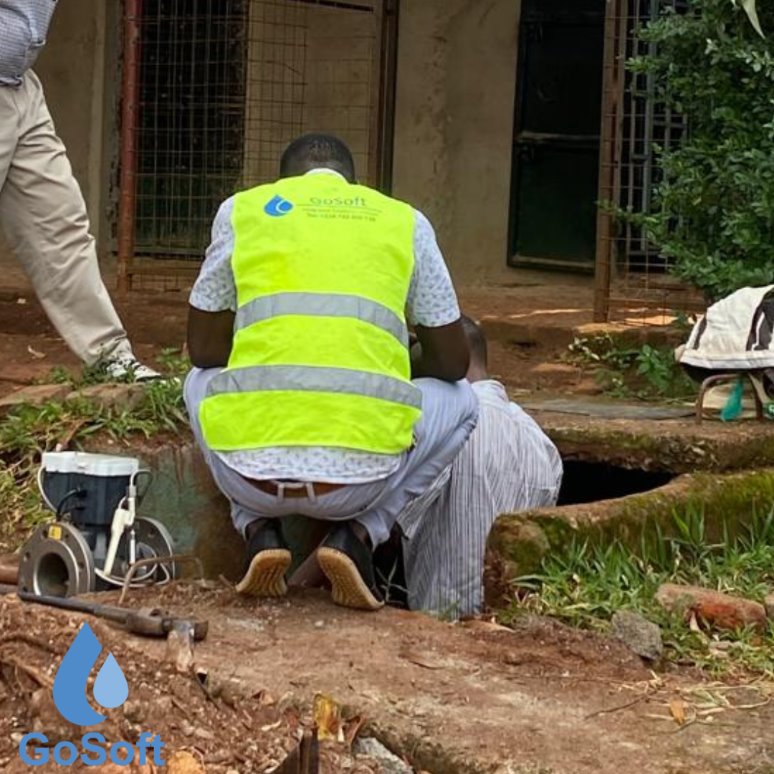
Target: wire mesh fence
631, 273
221, 88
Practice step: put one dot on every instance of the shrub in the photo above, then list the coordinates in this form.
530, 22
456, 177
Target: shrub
713, 211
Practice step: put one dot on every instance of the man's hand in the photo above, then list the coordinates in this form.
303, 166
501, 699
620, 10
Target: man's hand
443, 353
210, 338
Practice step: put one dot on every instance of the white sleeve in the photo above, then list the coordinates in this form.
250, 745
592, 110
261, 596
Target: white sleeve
215, 288
432, 301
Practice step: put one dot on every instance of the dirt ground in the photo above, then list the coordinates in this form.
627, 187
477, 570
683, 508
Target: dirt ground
221, 727
530, 320
471, 698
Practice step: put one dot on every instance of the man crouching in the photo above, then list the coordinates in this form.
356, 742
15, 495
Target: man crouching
302, 398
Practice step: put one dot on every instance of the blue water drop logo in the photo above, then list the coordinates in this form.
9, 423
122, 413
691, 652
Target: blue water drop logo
278, 207
71, 681
110, 687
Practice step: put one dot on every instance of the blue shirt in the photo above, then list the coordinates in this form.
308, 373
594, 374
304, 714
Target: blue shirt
23, 29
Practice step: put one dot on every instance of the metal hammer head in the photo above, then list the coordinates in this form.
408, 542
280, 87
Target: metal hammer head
153, 622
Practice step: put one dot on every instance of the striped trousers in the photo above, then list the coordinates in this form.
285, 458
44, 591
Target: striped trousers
507, 465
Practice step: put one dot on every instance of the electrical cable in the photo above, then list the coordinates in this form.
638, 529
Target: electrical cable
69, 496
142, 472
51, 506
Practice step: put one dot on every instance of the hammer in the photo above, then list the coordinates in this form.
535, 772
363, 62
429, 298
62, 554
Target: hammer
146, 622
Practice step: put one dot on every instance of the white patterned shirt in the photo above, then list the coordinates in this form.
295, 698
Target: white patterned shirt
23, 29
432, 303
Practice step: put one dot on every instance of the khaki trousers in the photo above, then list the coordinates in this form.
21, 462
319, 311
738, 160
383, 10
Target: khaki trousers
43, 215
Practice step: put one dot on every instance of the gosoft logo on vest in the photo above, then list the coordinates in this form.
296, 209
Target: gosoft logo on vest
69, 692
278, 207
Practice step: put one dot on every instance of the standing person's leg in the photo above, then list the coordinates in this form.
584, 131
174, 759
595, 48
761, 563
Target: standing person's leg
9, 131
44, 217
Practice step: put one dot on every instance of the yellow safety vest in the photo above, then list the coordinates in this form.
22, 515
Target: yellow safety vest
320, 356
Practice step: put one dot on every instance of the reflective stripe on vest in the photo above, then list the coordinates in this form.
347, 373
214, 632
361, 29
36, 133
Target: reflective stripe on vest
320, 353
305, 379
322, 305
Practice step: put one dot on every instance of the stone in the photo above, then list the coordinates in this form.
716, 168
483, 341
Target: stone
135, 711
35, 395
388, 761
180, 649
721, 611
107, 396
768, 603
640, 635
187, 728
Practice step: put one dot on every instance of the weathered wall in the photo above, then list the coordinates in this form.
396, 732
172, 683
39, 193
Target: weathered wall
340, 73
319, 75
73, 70
454, 124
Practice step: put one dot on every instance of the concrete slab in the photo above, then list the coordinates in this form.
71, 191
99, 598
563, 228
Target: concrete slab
608, 410
676, 445
727, 504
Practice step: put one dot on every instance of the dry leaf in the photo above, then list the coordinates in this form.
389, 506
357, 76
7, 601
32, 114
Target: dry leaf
184, 763
352, 729
34, 352
677, 708
265, 699
424, 660
327, 718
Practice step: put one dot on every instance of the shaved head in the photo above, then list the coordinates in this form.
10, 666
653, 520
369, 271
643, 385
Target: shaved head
316, 151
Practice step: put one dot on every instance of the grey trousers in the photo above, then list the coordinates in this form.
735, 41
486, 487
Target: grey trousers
449, 415
43, 215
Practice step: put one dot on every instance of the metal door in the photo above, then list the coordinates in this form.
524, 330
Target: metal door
557, 137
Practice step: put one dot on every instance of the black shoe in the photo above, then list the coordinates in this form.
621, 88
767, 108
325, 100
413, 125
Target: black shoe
349, 565
267, 561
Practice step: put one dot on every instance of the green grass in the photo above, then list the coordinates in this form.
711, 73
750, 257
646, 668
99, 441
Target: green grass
171, 362
28, 431
644, 373
587, 585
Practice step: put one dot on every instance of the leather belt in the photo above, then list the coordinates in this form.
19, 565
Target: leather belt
296, 492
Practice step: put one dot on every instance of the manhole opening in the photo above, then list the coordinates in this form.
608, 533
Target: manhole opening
590, 482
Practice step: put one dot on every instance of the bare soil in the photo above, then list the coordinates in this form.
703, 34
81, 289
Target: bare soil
228, 728
472, 697
30, 348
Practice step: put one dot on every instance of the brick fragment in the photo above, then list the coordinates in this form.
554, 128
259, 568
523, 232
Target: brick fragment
721, 611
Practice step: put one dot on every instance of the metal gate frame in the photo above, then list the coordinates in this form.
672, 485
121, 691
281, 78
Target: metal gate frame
382, 127
616, 286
